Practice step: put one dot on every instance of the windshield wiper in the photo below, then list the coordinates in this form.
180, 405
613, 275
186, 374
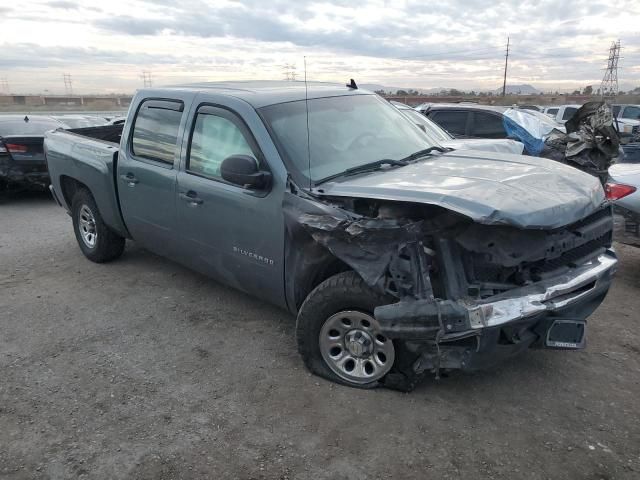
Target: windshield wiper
424, 152
367, 167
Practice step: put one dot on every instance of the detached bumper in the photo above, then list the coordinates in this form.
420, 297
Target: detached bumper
479, 335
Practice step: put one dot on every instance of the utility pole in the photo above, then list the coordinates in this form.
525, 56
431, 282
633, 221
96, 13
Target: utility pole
289, 72
506, 64
609, 85
68, 87
146, 78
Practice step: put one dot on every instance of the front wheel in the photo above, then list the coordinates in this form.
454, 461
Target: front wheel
338, 337
98, 243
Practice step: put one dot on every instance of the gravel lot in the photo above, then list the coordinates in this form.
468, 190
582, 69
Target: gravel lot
143, 369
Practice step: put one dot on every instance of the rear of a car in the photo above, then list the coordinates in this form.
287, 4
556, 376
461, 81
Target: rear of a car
22, 159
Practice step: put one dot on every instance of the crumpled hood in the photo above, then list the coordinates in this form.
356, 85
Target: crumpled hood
500, 145
490, 188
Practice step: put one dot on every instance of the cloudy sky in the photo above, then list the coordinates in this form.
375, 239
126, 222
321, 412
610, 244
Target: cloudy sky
106, 45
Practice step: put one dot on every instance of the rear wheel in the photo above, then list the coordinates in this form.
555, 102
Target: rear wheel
98, 243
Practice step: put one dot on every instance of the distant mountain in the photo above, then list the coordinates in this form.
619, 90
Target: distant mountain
524, 89
376, 87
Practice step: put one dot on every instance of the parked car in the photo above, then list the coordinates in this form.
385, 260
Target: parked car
81, 121
22, 162
623, 188
117, 121
627, 118
440, 136
468, 120
588, 148
535, 108
398, 257
561, 113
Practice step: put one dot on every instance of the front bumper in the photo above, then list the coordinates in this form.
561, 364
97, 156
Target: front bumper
473, 336
547, 296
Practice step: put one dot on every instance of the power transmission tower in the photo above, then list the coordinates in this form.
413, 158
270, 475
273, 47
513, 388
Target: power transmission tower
146, 78
506, 63
290, 72
68, 87
5, 85
609, 85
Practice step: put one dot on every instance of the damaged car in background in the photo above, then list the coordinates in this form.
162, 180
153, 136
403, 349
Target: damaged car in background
588, 139
400, 258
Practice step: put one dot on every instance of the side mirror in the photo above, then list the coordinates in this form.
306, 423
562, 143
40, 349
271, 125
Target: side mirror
243, 170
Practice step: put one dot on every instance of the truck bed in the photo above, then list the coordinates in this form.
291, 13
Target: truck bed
87, 157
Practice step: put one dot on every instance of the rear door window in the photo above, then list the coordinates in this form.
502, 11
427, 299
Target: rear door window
155, 131
568, 113
487, 125
453, 121
552, 111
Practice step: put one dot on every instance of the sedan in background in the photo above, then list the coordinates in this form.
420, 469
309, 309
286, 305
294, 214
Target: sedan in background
81, 121
442, 137
22, 160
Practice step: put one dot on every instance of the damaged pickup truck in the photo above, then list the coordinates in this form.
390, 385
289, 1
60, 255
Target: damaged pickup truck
400, 258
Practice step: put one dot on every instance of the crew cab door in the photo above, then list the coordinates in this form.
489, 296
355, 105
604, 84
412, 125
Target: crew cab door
229, 232
147, 169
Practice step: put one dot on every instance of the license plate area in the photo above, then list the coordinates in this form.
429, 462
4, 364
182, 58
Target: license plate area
566, 334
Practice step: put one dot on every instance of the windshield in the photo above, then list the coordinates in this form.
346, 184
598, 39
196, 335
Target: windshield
344, 132
435, 133
35, 126
631, 113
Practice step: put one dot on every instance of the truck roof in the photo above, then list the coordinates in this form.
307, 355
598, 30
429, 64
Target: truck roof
266, 92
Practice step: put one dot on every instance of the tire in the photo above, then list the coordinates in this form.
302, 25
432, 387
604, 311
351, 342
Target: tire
346, 294
104, 245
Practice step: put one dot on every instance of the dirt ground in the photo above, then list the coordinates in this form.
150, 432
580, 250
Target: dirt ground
143, 369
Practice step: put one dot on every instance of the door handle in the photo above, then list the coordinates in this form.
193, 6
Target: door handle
191, 197
130, 179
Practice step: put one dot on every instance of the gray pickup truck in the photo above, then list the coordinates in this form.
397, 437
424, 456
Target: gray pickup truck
398, 257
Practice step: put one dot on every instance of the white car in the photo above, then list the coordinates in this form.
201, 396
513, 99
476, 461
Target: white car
442, 137
622, 189
627, 118
561, 113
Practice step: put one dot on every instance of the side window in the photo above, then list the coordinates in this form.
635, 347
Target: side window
454, 122
568, 113
155, 131
486, 125
552, 111
616, 110
215, 137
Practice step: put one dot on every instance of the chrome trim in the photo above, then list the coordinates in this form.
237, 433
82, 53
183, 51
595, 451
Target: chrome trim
539, 297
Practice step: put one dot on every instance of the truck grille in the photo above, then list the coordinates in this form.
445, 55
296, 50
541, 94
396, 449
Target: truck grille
583, 240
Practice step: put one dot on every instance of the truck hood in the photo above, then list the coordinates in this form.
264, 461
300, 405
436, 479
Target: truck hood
500, 145
490, 188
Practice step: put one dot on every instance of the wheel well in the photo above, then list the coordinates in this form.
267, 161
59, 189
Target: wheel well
69, 188
324, 271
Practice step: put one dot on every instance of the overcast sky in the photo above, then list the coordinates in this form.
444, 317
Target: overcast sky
105, 45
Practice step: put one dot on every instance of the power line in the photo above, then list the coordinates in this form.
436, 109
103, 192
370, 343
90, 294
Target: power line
146, 78
68, 87
506, 63
290, 72
609, 85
